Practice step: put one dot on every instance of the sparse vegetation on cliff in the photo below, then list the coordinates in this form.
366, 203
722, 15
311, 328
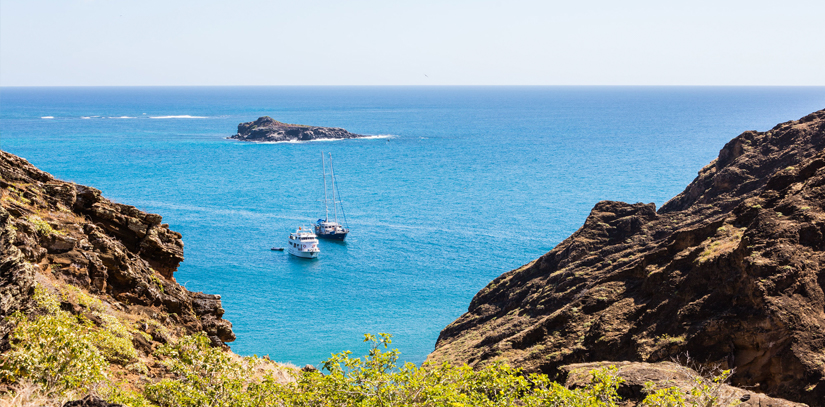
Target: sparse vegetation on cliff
58, 355
63, 356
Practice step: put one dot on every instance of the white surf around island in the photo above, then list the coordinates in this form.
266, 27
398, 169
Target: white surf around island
376, 137
183, 116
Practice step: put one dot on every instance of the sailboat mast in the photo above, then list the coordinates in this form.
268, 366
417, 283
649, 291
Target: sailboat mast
324, 169
332, 172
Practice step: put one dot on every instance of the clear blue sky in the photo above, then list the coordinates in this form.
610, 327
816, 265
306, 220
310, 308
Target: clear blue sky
370, 42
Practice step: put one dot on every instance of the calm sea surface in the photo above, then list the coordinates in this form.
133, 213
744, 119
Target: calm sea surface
468, 182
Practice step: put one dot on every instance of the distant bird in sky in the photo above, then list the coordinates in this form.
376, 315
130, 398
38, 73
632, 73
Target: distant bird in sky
426, 75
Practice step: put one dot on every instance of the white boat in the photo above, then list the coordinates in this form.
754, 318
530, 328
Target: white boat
303, 243
327, 228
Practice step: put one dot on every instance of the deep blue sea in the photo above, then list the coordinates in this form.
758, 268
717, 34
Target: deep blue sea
467, 183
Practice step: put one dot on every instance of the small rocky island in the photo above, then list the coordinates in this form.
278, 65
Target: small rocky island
267, 129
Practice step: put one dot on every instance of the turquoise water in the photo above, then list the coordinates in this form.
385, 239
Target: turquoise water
466, 184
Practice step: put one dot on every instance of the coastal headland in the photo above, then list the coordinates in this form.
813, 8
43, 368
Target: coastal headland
267, 129
58, 231
730, 272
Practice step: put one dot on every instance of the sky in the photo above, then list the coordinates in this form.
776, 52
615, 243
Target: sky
422, 42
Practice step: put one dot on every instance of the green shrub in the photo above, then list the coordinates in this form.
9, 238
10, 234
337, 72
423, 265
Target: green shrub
114, 341
54, 351
45, 302
376, 381
67, 355
41, 226
116, 394
204, 375
157, 282
208, 376
113, 338
705, 391
73, 294
667, 397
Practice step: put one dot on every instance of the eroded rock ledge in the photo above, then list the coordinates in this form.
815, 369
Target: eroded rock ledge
732, 270
267, 129
71, 232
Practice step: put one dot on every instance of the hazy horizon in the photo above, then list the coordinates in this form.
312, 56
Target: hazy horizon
427, 43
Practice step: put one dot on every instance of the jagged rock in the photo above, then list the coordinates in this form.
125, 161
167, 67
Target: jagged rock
730, 270
271, 130
16, 276
57, 243
90, 401
309, 368
105, 247
142, 343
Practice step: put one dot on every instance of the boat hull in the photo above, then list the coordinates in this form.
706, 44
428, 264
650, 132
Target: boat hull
332, 236
302, 254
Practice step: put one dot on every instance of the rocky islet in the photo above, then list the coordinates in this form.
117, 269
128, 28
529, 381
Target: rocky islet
267, 129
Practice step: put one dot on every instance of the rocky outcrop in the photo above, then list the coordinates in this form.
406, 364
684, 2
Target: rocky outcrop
637, 376
16, 276
730, 270
270, 130
116, 251
90, 401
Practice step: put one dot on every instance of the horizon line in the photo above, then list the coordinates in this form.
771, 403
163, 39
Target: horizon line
411, 86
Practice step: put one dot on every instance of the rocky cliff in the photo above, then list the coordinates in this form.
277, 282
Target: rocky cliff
270, 130
730, 271
56, 233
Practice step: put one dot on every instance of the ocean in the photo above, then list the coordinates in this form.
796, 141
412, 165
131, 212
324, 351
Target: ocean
460, 185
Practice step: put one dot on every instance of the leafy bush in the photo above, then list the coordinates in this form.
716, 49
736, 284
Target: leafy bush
375, 381
667, 397
54, 351
75, 295
208, 376
114, 341
204, 376
113, 338
41, 226
67, 356
705, 390
116, 394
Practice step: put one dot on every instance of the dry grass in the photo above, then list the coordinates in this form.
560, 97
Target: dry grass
726, 240
283, 373
28, 395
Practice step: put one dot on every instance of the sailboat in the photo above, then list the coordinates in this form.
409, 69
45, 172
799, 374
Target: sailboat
327, 228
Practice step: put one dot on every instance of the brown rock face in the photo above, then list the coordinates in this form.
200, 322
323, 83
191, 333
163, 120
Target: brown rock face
270, 130
732, 270
110, 249
16, 276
